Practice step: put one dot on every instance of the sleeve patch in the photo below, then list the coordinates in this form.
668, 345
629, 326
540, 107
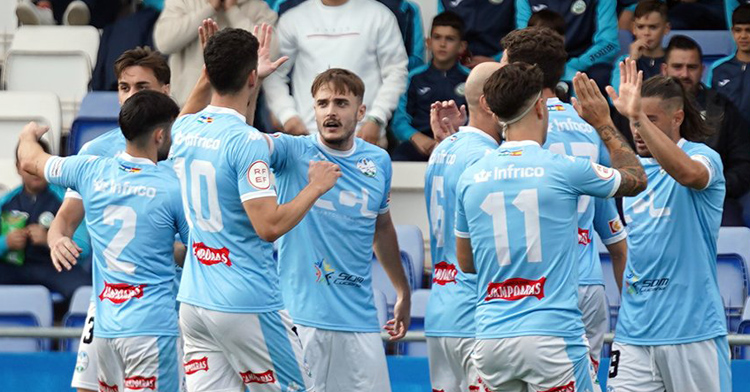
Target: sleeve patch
603, 172
258, 175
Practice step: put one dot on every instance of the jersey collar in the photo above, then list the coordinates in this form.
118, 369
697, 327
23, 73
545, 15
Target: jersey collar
520, 143
554, 101
681, 142
336, 153
468, 129
223, 110
140, 161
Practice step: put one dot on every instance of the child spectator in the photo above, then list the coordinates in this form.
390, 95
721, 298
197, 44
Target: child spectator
650, 25
728, 76
442, 80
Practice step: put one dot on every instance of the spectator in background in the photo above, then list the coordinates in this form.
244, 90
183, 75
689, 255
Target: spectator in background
625, 10
442, 80
27, 213
98, 13
651, 24
549, 19
176, 33
487, 22
728, 76
729, 7
590, 37
731, 138
361, 36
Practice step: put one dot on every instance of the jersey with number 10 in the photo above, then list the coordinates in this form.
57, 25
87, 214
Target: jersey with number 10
518, 207
222, 162
133, 211
450, 310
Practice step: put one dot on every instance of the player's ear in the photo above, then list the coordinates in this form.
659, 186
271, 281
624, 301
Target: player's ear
677, 118
252, 79
541, 108
483, 104
463, 47
165, 89
361, 112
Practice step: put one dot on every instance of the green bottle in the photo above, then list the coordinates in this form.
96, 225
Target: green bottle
14, 220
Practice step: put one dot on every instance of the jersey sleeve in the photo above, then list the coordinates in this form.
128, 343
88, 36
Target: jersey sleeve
249, 158
588, 178
68, 172
385, 204
607, 221
178, 212
712, 161
282, 149
461, 223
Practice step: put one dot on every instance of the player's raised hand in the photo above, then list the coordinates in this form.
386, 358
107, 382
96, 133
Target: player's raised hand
628, 103
206, 30
264, 33
33, 130
589, 102
399, 324
323, 175
445, 118
64, 254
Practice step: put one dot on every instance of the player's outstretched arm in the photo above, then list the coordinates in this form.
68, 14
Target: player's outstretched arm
200, 95
266, 67
592, 107
271, 220
64, 251
386, 249
31, 156
685, 170
464, 256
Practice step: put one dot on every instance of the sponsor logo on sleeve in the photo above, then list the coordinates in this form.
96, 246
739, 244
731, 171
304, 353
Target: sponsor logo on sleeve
104, 387
603, 172
138, 382
210, 256
615, 225
515, 289
569, 387
266, 377
120, 293
196, 365
444, 273
583, 237
259, 176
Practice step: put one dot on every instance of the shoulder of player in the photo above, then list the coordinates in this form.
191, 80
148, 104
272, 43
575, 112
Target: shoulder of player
102, 142
693, 148
372, 151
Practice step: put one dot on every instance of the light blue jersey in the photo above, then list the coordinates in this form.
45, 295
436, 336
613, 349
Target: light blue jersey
670, 293
325, 261
133, 211
518, 206
222, 162
450, 310
569, 134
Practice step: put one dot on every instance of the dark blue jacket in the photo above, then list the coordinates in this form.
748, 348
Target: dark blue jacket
486, 21
590, 30
731, 78
649, 66
426, 85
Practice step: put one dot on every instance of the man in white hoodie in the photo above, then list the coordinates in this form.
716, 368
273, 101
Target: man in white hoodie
358, 35
176, 33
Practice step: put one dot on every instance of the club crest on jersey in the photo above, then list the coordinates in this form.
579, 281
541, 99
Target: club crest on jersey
130, 169
583, 236
139, 382
204, 119
323, 272
209, 256
578, 8
615, 225
120, 293
444, 273
515, 289
104, 387
569, 387
196, 365
460, 89
266, 377
367, 167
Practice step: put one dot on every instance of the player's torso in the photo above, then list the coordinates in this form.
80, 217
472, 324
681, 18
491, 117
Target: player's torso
450, 310
522, 224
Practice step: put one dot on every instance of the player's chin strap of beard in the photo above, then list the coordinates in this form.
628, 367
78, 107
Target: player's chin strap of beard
505, 124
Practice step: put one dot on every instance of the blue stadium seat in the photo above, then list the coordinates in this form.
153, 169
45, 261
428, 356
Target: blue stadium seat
25, 306
714, 43
98, 114
381, 282
733, 250
419, 300
76, 315
411, 241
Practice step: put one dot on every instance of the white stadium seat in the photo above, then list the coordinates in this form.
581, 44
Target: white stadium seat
410, 240
25, 306
8, 26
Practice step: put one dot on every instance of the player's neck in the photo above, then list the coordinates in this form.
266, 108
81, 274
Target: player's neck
237, 102
743, 56
333, 3
548, 93
343, 145
485, 124
136, 152
527, 129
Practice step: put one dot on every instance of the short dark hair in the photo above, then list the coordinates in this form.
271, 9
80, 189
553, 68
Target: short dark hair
549, 19
449, 19
342, 80
231, 55
145, 112
145, 57
741, 15
682, 42
693, 127
648, 6
509, 89
540, 46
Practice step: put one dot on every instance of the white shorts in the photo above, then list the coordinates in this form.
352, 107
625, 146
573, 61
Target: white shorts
593, 304
534, 364
138, 363
85, 374
345, 361
701, 366
232, 351
451, 369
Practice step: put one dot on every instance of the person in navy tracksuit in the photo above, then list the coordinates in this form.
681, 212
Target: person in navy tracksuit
442, 80
730, 76
590, 35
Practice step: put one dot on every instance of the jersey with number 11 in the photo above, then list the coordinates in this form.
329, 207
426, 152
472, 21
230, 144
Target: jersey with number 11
222, 162
518, 206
